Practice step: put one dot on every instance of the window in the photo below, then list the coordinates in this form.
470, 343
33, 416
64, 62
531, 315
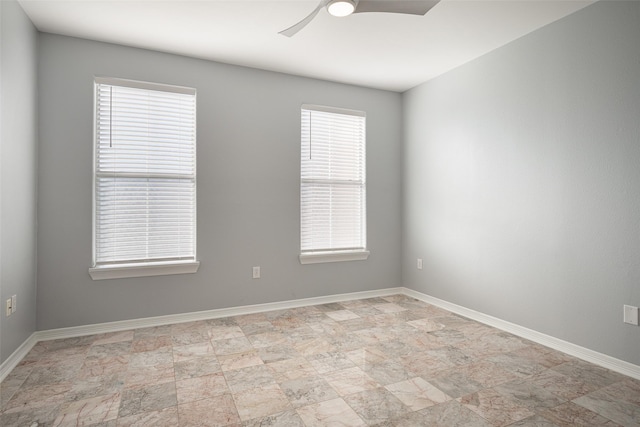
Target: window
332, 185
144, 216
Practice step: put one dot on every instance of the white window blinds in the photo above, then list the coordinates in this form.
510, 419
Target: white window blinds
333, 180
145, 173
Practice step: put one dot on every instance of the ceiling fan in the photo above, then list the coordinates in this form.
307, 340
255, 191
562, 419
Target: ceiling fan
347, 7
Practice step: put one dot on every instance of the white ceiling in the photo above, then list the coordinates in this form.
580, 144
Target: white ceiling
380, 50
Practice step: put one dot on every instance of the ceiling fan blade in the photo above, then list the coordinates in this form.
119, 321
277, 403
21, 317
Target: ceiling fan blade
412, 7
300, 25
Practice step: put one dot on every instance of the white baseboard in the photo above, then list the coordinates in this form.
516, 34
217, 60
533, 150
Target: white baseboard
591, 356
571, 349
12, 361
76, 331
146, 322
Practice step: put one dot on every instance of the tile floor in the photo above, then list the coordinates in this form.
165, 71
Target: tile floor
391, 361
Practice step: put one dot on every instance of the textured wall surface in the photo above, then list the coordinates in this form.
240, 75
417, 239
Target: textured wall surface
522, 181
18, 157
248, 187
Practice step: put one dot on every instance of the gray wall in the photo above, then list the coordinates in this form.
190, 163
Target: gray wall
248, 187
522, 181
18, 156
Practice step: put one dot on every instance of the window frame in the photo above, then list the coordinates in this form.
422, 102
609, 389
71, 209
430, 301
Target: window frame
335, 254
117, 270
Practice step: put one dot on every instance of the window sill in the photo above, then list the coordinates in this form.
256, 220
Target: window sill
337, 256
122, 271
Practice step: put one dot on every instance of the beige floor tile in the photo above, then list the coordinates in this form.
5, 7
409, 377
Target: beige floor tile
291, 369
364, 357
192, 389
267, 339
35, 397
340, 315
221, 332
451, 413
96, 386
101, 366
261, 402
352, 380
314, 346
112, 337
304, 391
89, 411
150, 398
334, 412
215, 412
495, 408
231, 346
190, 351
387, 372
561, 385
167, 417
250, 377
620, 411
569, 414
417, 393
389, 307
149, 375
150, 343
283, 419
427, 325
196, 367
239, 360
162, 357
43, 415
330, 361
376, 406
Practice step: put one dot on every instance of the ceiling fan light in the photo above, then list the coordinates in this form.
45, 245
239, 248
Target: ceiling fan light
341, 8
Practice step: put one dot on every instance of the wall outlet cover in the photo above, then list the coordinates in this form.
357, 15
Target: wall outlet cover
631, 315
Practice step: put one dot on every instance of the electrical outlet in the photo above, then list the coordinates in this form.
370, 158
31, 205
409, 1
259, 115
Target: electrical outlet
419, 263
8, 311
256, 272
631, 315
14, 303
